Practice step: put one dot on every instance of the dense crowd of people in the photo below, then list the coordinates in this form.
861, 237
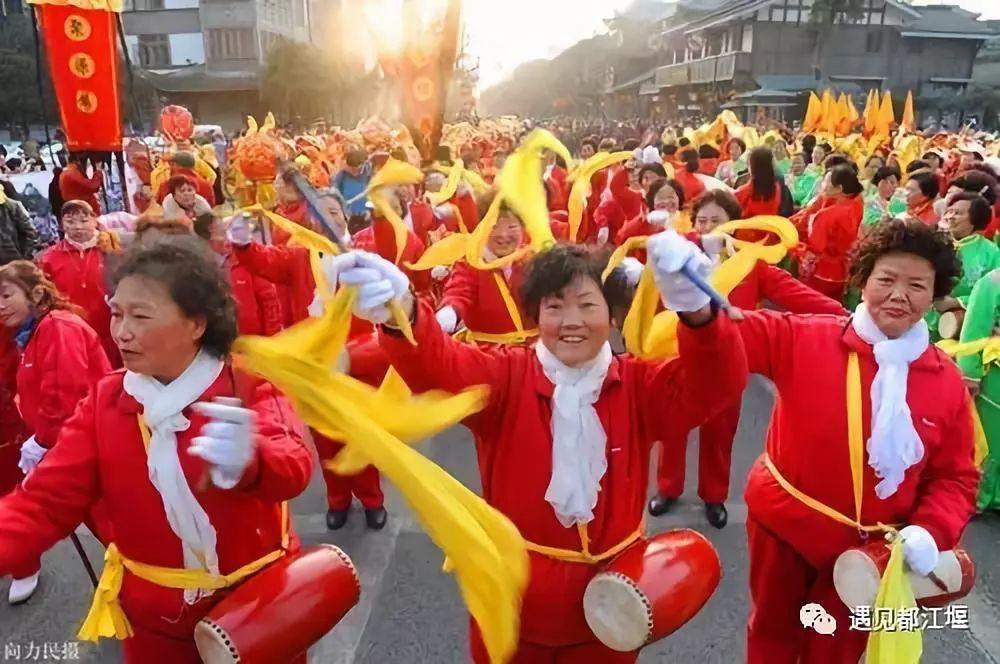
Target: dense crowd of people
895, 253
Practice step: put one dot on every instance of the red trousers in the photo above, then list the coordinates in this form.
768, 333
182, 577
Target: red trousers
10, 477
593, 652
364, 486
148, 647
715, 452
781, 582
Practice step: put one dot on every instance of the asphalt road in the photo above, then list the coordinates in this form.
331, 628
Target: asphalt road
411, 612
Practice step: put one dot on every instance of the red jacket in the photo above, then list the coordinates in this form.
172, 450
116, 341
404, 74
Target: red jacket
258, 307
288, 268
79, 275
424, 220
630, 200
709, 166
12, 429
752, 207
806, 357
61, 362
100, 457
830, 235
925, 213
558, 189
297, 212
380, 238
74, 185
204, 188
476, 298
767, 282
639, 404
637, 227
690, 184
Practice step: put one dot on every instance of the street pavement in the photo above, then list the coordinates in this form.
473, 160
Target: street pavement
410, 612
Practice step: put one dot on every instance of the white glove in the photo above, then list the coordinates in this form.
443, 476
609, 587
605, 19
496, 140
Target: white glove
713, 243
602, 235
31, 455
447, 318
239, 232
662, 218
227, 442
920, 551
439, 273
668, 254
632, 268
378, 282
444, 212
334, 265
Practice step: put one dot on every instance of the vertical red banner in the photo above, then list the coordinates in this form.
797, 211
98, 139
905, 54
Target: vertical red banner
83, 63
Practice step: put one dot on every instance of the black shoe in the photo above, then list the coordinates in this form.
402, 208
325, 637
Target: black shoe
335, 519
716, 514
660, 505
376, 518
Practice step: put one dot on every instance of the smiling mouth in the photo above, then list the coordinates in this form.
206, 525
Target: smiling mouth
572, 339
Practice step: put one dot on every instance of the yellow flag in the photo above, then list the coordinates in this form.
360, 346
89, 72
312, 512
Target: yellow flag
814, 114
894, 597
886, 116
908, 121
871, 113
829, 120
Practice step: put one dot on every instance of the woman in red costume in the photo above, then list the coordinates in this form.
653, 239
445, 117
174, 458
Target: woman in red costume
914, 444
75, 265
921, 192
665, 199
715, 437
831, 232
61, 358
762, 195
687, 174
189, 482
564, 442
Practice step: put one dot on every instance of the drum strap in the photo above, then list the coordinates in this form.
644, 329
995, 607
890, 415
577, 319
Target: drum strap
106, 617
585, 556
855, 435
518, 336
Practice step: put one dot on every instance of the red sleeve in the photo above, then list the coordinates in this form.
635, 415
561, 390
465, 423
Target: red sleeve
946, 497
49, 504
368, 362
274, 263
608, 215
162, 192
421, 279
460, 288
635, 227
743, 197
708, 376
438, 361
792, 295
767, 336
423, 219
283, 465
268, 304
206, 191
619, 183
469, 210
65, 376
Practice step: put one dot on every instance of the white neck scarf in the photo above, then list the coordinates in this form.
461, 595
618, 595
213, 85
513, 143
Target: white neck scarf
161, 409
83, 246
579, 454
894, 445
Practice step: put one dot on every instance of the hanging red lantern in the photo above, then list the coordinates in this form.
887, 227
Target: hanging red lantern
177, 123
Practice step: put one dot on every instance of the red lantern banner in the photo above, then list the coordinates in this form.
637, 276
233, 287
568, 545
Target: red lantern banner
83, 63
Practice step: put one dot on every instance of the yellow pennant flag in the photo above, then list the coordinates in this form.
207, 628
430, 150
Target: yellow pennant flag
871, 112
908, 121
814, 114
886, 116
485, 550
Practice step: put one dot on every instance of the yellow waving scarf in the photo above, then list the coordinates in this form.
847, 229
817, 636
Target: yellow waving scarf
650, 335
487, 553
990, 348
580, 177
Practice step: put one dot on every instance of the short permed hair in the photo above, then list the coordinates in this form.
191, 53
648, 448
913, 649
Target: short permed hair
549, 272
655, 188
195, 280
723, 199
909, 237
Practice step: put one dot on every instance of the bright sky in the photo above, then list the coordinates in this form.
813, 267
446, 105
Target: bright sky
507, 33
990, 9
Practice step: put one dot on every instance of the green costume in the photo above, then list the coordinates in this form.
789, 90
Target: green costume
876, 209
783, 166
803, 186
982, 319
978, 257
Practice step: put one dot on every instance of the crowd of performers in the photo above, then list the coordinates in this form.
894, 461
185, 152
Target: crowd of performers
180, 464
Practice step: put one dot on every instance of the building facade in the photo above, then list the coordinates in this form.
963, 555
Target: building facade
706, 58
191, 50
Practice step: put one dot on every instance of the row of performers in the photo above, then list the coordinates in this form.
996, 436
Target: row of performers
173, 322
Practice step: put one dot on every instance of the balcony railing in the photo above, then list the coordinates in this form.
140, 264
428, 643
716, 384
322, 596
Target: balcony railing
705, 70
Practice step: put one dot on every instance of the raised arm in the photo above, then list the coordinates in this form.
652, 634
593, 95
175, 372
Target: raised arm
272, 262
792, 295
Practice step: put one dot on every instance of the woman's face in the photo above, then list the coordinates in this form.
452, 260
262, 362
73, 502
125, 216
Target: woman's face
153, 334
648, 178
15, 306
666, 199
185, 196
406, 193
335, 212
818, 155
79, 226
887, 187
575, 323
586, 151
798, 165
956, 217
735, 151
779, 151
709, 216
506, 236
829, 189
899, 292
914, 196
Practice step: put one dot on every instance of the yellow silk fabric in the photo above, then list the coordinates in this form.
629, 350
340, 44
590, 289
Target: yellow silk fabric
580, 177
488, 554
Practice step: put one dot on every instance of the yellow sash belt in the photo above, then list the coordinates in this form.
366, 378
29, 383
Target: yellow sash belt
585, 556
106, 617
518, 336
855, 434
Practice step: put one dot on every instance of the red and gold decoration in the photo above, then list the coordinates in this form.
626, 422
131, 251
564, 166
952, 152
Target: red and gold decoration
83, 62
176, 123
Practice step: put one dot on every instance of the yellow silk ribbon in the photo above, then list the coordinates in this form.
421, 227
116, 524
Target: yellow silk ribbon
523, 189
488, 553
580, 177
990, 348
650, 335
450, 186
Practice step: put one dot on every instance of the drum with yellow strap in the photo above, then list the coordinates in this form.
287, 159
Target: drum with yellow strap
307, 595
